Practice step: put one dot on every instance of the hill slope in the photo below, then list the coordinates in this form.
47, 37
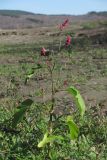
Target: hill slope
14, 13
13, 19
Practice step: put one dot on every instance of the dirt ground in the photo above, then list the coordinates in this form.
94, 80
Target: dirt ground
85, 68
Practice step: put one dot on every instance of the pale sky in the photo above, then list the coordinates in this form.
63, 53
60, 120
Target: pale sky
55, 6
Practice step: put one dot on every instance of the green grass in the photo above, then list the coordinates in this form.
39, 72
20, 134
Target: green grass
94, 25
92, 142
79, 67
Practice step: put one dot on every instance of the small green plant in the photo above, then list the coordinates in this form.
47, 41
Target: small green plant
51, 135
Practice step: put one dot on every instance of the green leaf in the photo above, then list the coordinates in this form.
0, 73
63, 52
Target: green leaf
31, 72
78, 99
74, 131
48, 139
44, 141
18, 116
54, 138
26, 103
29, 76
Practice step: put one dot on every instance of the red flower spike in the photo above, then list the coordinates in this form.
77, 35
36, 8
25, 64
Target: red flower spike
68, 40
43, 52
64, 24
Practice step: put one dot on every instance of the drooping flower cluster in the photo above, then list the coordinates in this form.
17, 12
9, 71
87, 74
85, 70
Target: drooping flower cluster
43, 52
64, 24
68, 41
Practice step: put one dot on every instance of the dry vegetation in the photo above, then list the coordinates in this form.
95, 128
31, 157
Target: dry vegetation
84, 66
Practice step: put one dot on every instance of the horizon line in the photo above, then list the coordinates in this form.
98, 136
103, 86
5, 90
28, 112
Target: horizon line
63, 14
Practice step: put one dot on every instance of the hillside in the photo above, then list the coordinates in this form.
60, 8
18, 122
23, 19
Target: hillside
13, 19
14, 13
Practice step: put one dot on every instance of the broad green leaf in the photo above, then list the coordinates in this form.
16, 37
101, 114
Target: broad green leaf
31, 72
37, 67
48, 139
29, 76
44, 141
18, 116
54, 138
26, 103
78, 98
74, 131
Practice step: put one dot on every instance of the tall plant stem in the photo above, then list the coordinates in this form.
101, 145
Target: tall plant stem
52, 103
51, 112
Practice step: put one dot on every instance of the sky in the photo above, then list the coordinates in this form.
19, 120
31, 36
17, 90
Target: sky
74, 7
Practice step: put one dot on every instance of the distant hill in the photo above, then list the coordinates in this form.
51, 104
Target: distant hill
14, 13
98, 13
15, 19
